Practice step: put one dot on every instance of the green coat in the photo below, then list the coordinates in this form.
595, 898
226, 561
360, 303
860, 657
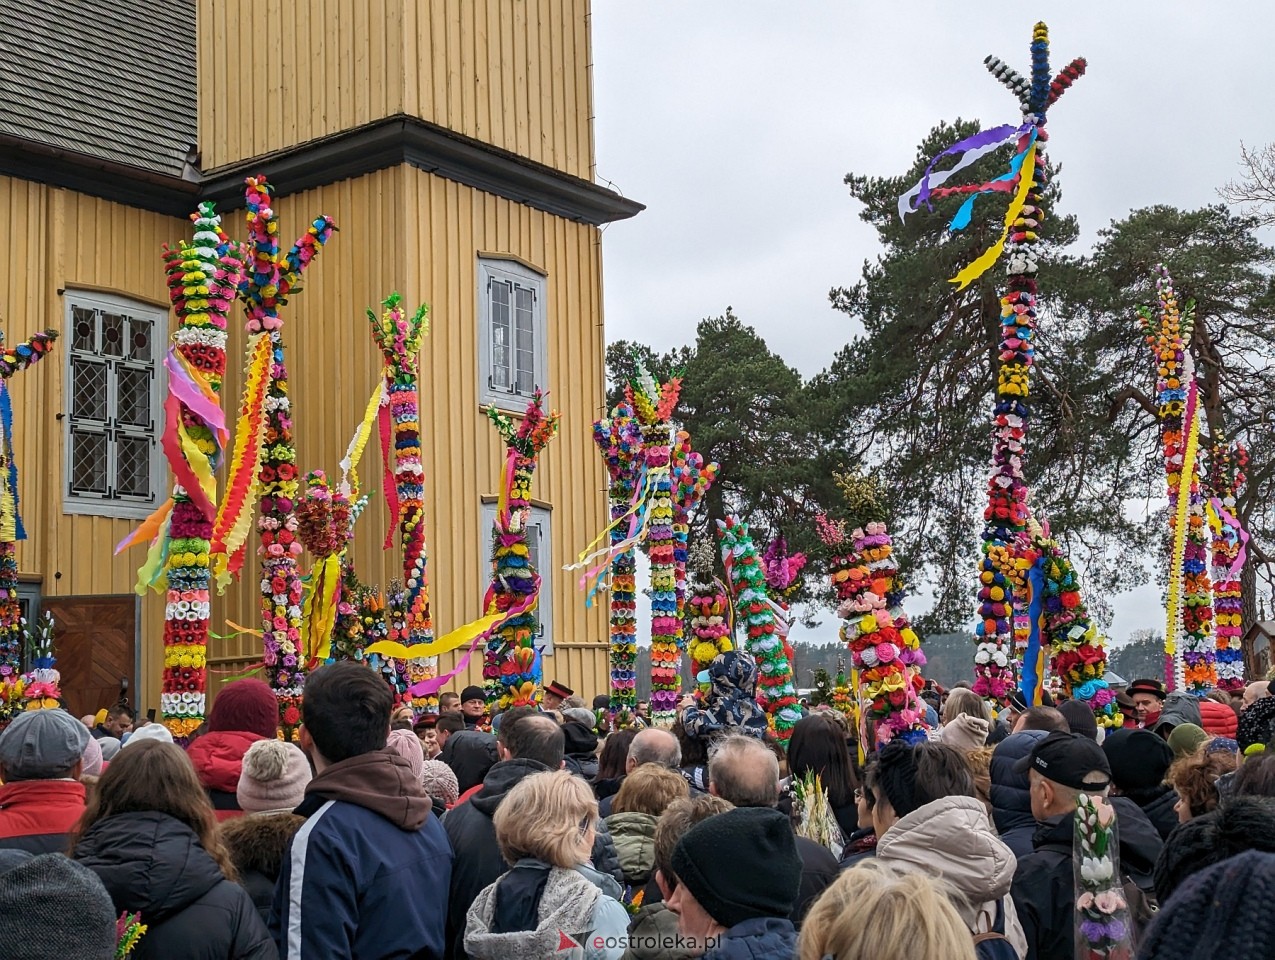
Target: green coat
634, 836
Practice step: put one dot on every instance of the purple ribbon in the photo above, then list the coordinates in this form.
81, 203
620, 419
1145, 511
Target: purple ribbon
977, 145
181, 386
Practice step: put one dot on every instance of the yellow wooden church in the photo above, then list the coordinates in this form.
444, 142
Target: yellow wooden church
452, 143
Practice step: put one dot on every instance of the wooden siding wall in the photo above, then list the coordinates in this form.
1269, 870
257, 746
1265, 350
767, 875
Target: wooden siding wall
513, 73
398, 229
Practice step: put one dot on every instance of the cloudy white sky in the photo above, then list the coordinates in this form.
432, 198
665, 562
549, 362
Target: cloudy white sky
734, 121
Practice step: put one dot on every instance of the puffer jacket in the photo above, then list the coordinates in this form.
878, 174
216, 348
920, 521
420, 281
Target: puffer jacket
153, 864
1011, 793
582, 904
634, 836
761, 938
218, 760
652, 927
470, 754
1158, 803
731, 706
257, 844
1179, 708
1217, 719
38, 816
581, 749
953, 838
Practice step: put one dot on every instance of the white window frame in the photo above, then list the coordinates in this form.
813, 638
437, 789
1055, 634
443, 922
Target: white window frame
540, 525
492, 271
111, 503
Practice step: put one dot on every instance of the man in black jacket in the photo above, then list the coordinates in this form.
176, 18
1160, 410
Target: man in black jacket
743, 771
528, 743
1061, 767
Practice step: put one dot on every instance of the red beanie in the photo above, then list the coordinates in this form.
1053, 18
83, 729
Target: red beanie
248, 706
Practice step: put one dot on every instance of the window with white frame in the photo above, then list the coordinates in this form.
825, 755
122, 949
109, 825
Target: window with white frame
113, 460
511, 333
539, 546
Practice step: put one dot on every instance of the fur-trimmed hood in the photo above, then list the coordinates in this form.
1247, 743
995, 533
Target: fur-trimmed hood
258, 842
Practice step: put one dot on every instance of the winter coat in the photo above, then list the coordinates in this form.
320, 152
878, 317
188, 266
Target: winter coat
952, 837
1217, 719
581, 903
478, 859
1158, 803
153, 864
470, 754
818, 870
1043, 889
761, 938
1011, 794
257, 844
606, 788
652, 933
38, 816
218, 760
634, 836
370, 845
581, 749
731, 706
861, 845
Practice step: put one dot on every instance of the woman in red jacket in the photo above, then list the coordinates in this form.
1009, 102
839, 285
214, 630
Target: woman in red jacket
244, 712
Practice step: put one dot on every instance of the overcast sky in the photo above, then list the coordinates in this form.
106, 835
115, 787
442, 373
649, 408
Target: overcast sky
735, 121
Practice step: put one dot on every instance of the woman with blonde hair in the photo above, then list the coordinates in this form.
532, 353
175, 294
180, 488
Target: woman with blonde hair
545, 827
150, 834
645, 795
875, 912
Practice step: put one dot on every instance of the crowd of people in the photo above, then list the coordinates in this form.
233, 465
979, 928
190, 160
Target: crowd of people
559, 831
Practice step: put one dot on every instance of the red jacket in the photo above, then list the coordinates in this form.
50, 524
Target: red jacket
39, 815
218, 760
1217, 719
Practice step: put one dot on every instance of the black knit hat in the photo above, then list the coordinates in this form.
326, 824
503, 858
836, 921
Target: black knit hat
1245, 823
1139, 759
1080, 718
472, 693
1223, 911
52, 908
1257, 725
740, 864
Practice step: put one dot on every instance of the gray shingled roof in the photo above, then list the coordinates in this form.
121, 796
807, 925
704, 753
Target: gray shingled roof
112, 79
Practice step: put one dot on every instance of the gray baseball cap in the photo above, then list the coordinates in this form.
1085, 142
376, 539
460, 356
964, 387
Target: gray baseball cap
41, 745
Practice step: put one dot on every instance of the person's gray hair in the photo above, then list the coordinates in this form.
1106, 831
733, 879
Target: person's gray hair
744, 771
654, 745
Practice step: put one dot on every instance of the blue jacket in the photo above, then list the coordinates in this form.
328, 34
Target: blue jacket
1011, 792
367, 874
761, 938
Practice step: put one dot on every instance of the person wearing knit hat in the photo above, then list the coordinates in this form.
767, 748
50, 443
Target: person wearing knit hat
1080, 718
1139, 762
53, 908
440, 782
1257, 726
408, 746
473, 705
91, 759
41, 759
1223, 911
1185, 739
110, 746
964, 733
271, 784
1245, 823
737, 878
150, 731
243, 712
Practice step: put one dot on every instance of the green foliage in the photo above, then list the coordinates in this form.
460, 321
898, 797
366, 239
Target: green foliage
821, 687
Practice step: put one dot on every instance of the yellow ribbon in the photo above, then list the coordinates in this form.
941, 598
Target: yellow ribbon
1174, 623
444, 644
319, 615
198, 461
980, 266
358, 443
238, 629
147, 573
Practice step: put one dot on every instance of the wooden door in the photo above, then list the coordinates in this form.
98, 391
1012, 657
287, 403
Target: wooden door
95, 641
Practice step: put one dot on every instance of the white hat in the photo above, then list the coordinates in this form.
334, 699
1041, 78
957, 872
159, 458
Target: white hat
152, 731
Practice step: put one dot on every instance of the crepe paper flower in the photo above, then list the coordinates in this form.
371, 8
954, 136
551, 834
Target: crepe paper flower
1103, 925
12, 360
1224, 481
691, 479
268, 467
1189, 611
129, 929
710, 620
512, 671
775, 691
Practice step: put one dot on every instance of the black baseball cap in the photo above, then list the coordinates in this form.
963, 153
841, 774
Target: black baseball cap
1067, 758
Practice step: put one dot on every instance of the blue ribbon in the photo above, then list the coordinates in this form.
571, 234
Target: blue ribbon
966, 211
6, 418
1033, 678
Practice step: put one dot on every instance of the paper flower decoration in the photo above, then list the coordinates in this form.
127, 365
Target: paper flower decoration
1225, 479
1103, 924
511, 666
619, 439
709, 616
776, 692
